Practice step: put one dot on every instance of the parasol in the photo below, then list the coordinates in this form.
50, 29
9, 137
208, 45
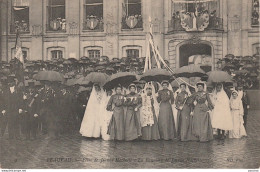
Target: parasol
219, 76
241, 72
122, 78
71, 82
156, 75
81, 89
97, 77
49, 76
82, 81
190, 71
179, 80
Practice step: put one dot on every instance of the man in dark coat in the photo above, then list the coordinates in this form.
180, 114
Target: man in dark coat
245, 100
30, 112
13, 108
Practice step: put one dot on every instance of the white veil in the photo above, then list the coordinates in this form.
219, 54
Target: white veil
91, 124
146, 114
221, 107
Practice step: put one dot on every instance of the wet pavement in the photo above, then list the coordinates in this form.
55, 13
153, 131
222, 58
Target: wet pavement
74, 151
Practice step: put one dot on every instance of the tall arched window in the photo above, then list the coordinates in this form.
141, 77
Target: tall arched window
20, 16
56, 16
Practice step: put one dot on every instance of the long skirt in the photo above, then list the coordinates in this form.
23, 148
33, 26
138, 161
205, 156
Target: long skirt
131, 124
238, 130
151, 132
166, 122
201, 124
106, 117
116, 126
184, 123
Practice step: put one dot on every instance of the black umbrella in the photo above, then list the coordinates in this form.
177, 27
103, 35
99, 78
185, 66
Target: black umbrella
122, 78
156, 75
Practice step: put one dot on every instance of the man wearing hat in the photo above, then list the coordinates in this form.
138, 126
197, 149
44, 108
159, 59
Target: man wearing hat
13, 107
31, 117
245, 100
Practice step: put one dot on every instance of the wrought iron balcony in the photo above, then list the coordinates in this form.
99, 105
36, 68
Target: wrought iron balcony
215, 23
132, 23
93, 24
22, 28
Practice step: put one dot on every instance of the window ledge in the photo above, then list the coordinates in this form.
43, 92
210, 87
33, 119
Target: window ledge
86, 30
134, 29
60, 32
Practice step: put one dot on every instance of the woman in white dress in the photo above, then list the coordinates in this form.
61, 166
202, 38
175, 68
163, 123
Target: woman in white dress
237, 113
91, 123
221, 115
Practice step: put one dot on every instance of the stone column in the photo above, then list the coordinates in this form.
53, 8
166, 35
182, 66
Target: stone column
234, 26
72, 28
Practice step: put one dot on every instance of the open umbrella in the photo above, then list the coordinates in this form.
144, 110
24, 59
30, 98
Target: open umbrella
71, 82
230, 56
122, 78
156, 75
190, 71
241, 72
219, 76
49, 76
81, 89
97, 77
178, 81
82, 81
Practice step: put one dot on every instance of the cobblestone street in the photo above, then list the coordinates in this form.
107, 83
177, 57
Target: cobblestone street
79, 152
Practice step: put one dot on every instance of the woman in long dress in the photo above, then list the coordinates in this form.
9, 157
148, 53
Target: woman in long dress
132, 103
106, 117
201, 123
165, 119
91, 123
149, 114
116, 126
182, 104
221, 115
237, 113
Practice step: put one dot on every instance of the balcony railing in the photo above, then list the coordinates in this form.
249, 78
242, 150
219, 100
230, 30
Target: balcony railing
132, 23
56, 26
215, 23
22, 28
93, 24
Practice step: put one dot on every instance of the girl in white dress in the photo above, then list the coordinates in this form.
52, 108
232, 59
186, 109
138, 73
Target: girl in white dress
237, 113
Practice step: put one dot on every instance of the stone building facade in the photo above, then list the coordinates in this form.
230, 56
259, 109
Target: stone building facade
120, 28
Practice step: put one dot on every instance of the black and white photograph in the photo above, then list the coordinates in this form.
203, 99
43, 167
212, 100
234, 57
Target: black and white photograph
129, 84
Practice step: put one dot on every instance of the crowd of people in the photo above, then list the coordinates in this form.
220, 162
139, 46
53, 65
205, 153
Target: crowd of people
147, 111
244, 70
152, 114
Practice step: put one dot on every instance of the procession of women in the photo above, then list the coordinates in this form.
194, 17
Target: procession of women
157, 106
